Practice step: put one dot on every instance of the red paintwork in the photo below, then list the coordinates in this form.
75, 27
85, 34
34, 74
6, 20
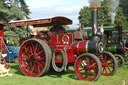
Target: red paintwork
62, 45
91, 68
20, 42
59, 53
2, 48
58, 40
70, 54
43, 22
28, 66
2, 44
107, 65
80, 47
77, 35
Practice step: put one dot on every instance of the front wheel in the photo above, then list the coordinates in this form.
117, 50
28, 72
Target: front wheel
88, 67
109, 64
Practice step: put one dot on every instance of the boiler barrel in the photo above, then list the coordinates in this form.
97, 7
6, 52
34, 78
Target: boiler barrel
87, 46
115, 49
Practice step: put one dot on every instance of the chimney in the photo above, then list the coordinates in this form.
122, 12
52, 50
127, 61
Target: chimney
94, 13
120, 33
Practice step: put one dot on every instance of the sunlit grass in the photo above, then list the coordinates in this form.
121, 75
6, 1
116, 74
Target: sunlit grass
67, 78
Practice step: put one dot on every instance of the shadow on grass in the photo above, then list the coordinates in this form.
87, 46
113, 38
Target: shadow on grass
69, 73
17, 68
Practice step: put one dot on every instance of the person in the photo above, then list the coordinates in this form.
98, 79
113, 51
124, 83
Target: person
57, 29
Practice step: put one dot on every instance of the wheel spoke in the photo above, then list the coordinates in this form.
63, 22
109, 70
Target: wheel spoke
32, 69
31, 51
86, 60
92, 74
40, 59
27, 50
32, 45
25, 57
36, 47
86, 75
81, 69
109, 69
109, 66
40, 65
103, 70
93, 66
26, 66
27, 54
106, 70
40, 52
36, 68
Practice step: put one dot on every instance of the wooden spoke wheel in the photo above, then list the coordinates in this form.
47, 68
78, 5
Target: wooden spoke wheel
109, 64
88, 67
33, 57
120, 60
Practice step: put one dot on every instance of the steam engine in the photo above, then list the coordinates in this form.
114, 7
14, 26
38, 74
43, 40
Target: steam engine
58, 49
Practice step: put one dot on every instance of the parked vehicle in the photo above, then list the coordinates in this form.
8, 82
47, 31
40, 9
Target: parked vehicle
12, 55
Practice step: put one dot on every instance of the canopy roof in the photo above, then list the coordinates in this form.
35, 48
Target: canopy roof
2, 24
58, 20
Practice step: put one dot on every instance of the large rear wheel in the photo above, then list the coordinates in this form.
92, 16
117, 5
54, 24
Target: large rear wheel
88, 67
33, 57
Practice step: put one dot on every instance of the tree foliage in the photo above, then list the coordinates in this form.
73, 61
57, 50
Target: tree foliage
124, 6
15, 12
121, 19
103, 16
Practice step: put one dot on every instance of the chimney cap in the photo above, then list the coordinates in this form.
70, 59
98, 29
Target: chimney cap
94, 8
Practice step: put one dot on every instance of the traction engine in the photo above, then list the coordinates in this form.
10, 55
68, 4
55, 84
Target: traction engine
58, 49
120, 48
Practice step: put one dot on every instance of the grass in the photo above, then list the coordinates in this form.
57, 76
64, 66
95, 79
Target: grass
66, 78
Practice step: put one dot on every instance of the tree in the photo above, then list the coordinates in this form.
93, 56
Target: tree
124, 6
85, 16
121, 19
15, 12
103, 16
22, 5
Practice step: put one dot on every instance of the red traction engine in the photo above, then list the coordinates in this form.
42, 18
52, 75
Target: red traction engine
58, 49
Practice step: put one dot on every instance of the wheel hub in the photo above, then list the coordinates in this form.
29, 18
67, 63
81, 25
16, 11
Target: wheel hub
86, 68
104, 64
33, 58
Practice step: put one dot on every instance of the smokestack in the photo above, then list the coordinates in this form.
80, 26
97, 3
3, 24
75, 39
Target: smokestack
120, 33
94, 13
94, 6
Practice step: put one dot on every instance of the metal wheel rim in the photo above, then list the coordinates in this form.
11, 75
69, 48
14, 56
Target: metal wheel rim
109, 64
29, 66
94, 69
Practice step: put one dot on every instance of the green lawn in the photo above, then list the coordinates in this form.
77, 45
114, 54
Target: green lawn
66, 78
